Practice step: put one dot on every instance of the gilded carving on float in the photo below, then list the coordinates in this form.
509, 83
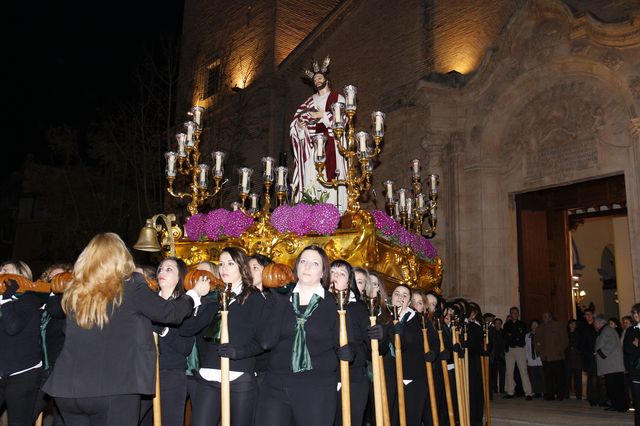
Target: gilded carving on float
392, 243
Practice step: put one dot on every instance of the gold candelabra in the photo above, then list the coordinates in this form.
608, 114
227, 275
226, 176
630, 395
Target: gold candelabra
356, 148
414, 209
186, 162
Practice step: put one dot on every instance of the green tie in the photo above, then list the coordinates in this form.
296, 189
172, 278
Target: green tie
300, 358
44, 321
193, 362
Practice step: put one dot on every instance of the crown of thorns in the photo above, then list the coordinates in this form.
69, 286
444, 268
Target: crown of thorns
317, 69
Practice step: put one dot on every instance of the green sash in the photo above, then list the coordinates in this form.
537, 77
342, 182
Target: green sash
300, 358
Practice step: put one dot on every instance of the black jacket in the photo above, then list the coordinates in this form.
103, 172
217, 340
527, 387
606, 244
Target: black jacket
322, 332
514, 333
120, 358
55, 328
20, 334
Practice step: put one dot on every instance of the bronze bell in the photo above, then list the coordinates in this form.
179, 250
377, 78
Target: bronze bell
148, 239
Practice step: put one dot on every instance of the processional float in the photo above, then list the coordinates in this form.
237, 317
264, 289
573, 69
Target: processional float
392, 242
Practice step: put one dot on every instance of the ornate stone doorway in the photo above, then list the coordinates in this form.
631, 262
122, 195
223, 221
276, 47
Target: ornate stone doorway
544, 219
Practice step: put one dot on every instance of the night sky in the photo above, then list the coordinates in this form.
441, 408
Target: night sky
70, 59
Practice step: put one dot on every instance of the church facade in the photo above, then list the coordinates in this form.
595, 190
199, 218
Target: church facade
500, 100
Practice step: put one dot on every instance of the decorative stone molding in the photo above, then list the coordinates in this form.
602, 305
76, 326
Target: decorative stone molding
634, 85
612, 59
634, 126
619, 35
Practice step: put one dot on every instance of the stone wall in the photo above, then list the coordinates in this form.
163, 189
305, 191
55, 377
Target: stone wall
552, 99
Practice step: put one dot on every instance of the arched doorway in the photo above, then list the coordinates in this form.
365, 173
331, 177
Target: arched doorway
544, 221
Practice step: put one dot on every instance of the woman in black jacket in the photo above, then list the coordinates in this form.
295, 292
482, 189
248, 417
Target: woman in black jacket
246, 308
174, 345
475, 350
573, 359
108, 358
303, 331
343, 277
20, 355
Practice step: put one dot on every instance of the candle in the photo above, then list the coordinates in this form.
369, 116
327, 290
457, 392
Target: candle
433, 183
182, 139
409, 206
267, 166
396, 209
415, 167
253, 197
280, 172
420, 201
388, 185
362, 138
245, 178
203, 175
218, 158
378, 122
402, 198
171, 163
235, 206
197, 111
319, 141
336, 108
350, 96
190, 126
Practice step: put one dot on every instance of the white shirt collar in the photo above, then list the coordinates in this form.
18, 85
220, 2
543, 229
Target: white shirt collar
412, 314
237, 288
317, 289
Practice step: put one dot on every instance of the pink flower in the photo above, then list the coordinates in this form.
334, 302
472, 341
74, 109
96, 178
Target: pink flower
304, 219
391, 230
217, 224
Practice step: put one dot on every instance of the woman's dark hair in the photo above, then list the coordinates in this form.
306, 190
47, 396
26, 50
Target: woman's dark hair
261, 259
241, 259
351, 275
572, 321
325, 280
182, 271
475, 309
148, 271
616, 321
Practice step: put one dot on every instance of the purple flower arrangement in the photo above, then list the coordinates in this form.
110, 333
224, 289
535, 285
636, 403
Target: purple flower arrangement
389, 229
217, 224
303, 218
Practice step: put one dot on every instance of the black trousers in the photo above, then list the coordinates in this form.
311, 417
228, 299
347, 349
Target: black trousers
297, 402
113, 410
19, 393
573, 376
635, 393
497, 371
359, 395
173, 396
616, 391
596, 390
553, 379
206, 407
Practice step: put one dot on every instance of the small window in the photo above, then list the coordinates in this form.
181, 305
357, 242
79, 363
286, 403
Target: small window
212, 83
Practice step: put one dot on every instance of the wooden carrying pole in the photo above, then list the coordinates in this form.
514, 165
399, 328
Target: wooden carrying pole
458, 375
375, 369
432, 392
485, 376
386, 417
344, 366
157, 412
225, 387
399, 373
465, 379
447, 384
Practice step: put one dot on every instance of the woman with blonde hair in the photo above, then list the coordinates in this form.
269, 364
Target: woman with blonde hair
108, 358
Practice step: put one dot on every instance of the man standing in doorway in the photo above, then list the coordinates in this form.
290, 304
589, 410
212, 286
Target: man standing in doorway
514, 332
551, 341
315, 117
